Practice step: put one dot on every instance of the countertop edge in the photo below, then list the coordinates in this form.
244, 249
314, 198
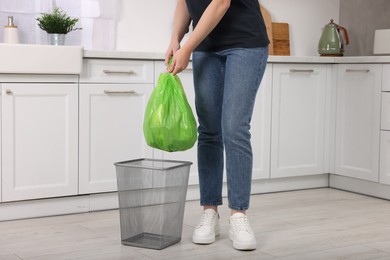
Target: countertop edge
96, 54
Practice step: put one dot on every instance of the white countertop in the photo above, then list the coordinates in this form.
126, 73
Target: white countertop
272, 59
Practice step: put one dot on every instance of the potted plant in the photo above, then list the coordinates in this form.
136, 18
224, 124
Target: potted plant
57, 24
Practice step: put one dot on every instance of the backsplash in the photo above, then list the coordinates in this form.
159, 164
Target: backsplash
361, 18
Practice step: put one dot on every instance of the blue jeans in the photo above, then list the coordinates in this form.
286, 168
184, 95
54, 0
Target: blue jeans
226, 84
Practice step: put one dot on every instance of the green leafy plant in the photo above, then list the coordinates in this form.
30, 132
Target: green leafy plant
57, 22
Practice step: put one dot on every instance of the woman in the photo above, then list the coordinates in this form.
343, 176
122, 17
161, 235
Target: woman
229, 47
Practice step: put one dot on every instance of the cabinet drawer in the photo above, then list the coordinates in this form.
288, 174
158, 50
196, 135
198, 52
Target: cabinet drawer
385, 118
117, 71
386, 77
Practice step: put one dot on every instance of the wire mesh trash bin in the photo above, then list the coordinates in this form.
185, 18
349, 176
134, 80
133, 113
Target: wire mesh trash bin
152, 195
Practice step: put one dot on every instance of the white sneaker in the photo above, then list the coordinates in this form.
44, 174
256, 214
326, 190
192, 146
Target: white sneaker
241, 232
207, 229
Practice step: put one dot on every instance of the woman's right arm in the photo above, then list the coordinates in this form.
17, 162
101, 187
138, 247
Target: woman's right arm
181, 23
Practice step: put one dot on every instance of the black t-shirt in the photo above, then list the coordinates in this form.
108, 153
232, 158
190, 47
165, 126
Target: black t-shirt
241, 27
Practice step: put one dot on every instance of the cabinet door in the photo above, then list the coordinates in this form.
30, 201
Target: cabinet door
40, 153
298, 119
111, 130
190, 154
385, 158
358, 120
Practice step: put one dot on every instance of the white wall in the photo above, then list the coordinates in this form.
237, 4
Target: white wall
146, 25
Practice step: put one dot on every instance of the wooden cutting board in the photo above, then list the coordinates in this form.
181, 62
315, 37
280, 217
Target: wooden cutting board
281, 39
268, 24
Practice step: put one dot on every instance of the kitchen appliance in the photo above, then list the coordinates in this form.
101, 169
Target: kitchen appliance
332, 42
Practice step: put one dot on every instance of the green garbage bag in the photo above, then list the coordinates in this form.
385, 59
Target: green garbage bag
169, 123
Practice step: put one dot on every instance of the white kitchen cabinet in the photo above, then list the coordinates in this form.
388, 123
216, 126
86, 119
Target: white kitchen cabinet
298, 119
39, 140
384, 170
111, 130
117, 71
384, 176
113, 98
358, 121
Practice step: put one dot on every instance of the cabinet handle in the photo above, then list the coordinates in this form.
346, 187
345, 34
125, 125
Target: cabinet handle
8, 92
188, 70
119, 92
295, 70
364, 71
127, 72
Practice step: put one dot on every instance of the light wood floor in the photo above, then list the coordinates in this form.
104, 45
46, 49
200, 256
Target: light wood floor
307, 224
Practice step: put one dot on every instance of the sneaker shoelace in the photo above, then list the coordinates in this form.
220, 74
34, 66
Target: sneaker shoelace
242, 224
207, 219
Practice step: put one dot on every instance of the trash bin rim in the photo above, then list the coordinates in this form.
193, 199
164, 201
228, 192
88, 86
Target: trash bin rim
180, 164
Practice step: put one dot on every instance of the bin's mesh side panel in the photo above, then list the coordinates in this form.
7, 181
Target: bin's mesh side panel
173, 213
152, 201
